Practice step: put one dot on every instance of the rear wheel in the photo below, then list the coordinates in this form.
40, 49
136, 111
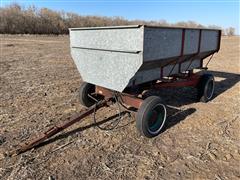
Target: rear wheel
86, 89
151, 116
206, 88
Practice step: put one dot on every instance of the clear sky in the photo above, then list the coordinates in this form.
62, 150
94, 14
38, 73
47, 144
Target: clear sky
224, 13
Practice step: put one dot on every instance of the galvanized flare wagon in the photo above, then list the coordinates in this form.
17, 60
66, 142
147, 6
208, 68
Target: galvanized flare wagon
118, 64
124, 61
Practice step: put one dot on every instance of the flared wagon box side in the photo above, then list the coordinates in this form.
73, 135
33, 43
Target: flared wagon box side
107, 56
172, 50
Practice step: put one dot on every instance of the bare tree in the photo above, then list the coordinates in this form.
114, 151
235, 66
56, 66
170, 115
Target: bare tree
19, 20
230, 31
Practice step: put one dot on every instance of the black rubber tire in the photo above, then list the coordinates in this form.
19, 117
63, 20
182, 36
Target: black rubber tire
85, 90
206, 88
150, 106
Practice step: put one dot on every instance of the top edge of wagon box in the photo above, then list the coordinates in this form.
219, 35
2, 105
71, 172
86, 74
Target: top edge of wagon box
131, 41
140, 25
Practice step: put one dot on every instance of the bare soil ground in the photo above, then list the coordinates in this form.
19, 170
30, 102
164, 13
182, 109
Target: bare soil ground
39, 84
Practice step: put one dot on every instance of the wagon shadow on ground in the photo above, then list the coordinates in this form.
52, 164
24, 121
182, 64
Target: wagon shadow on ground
225, 82
178, 97
183, 96
175, 117
92, 125
175, 97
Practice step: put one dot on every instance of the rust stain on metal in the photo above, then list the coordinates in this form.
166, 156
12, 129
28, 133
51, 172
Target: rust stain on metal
126, 98
191, 81
132, 101
104, 91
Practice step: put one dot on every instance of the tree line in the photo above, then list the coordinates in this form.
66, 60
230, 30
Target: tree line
16, 19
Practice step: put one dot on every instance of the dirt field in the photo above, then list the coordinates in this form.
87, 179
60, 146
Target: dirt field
38, 88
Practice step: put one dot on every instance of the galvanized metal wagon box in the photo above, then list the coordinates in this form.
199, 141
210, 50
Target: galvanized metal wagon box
117, 57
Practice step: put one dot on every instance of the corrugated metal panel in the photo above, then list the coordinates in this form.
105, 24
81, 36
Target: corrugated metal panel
191, 41
161, 43
112, 70
128, 40
209, 40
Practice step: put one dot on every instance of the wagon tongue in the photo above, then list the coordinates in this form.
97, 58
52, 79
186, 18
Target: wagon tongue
56, 129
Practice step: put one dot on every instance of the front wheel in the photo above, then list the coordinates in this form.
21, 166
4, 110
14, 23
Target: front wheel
86, 89
206, 88
151, 116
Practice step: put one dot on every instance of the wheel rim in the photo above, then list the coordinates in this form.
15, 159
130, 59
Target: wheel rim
210, 89
156, 119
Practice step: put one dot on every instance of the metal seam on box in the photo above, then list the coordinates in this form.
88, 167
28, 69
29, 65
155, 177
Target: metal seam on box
182, 49
96, 49
219, 39
199, 41
106, 27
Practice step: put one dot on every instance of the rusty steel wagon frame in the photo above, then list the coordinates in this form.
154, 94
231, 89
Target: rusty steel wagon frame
132, 99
